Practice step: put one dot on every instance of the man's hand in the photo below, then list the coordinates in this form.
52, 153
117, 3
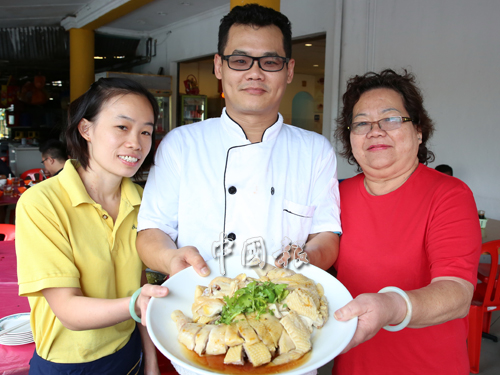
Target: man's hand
188, 256
159, 252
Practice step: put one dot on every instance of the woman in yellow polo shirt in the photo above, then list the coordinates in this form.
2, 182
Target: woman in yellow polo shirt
75, 240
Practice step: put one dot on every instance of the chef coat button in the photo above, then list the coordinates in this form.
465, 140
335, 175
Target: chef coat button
104, 217
231, 236
232, 190
272, 191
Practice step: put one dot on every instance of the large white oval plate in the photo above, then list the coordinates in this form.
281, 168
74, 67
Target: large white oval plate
327, 342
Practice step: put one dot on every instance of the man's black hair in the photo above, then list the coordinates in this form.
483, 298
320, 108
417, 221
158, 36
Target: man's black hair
54, 149
259, 16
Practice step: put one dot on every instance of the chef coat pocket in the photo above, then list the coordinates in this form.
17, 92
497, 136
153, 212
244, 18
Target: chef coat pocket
297, 221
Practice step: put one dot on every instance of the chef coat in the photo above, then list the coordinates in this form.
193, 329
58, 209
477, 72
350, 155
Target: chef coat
209, 179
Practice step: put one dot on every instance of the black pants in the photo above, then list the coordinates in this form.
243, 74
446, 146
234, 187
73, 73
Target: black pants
127, 361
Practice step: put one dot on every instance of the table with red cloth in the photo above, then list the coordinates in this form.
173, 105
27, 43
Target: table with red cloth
7, 201
14, 360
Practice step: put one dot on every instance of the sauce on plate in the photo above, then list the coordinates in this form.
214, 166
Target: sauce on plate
215, 363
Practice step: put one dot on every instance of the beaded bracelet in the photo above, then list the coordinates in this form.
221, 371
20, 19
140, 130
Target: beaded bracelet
407, 318
131, 306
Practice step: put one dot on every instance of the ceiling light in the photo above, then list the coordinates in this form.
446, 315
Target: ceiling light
99, 58
119, 57
315, 65
308, 45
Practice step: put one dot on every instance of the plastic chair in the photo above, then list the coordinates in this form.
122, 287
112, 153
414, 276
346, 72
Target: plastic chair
9, 231
486, 299
30, 171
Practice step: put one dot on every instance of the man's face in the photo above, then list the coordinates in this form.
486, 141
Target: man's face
254, 91
49, 165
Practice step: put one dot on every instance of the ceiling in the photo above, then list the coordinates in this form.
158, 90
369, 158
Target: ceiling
309, 59
158, 13
26, 13
141, 22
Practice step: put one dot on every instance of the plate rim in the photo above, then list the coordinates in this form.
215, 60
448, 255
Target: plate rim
297, 371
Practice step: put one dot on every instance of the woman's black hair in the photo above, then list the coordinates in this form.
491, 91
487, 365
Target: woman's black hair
89, 105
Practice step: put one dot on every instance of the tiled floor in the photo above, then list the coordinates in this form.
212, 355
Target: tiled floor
490, 352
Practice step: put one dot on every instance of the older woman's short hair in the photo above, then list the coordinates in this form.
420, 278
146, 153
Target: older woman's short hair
405, 85
89, 105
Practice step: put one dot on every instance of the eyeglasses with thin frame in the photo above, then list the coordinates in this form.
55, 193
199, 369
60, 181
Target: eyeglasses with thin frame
386, 124
44, 160
245, 62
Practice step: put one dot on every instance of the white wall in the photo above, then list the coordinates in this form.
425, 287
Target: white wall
453, 46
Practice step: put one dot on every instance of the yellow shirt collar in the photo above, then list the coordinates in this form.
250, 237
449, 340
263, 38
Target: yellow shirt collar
71, 182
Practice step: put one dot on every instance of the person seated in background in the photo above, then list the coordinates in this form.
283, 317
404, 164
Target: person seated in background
53, 156
444, 168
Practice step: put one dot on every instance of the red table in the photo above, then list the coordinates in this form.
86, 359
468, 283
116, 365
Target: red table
14, 360
6, 201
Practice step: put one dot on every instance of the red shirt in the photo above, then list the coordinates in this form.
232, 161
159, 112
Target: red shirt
426, 228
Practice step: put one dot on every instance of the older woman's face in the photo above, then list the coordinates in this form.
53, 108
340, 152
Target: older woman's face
384, 154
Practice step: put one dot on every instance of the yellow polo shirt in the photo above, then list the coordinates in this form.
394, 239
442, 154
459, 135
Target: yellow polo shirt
65, 239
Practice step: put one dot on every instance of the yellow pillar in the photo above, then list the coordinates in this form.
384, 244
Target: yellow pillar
275, 4
81, 61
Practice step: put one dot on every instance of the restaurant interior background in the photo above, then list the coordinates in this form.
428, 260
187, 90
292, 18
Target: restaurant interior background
451, 45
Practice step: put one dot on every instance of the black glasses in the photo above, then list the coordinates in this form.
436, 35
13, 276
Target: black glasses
266, 63
44, 160
388, 123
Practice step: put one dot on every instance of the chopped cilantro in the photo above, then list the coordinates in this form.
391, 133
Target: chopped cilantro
252, 298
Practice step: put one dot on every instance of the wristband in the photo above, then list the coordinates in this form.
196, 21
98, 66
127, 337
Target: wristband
131, 305
407, 318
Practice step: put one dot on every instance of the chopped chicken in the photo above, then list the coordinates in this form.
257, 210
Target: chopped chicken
285, 344
202, 338
208, 307
262, 332
180, 319
297, 331
232, 337
245, 330
187, 334
257, 354
281, 335
234, 356
216, 340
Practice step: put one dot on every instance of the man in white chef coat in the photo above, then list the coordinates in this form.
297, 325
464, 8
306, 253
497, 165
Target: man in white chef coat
245, 174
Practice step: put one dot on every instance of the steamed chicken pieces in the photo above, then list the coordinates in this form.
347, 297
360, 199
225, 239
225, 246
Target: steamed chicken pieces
280, 335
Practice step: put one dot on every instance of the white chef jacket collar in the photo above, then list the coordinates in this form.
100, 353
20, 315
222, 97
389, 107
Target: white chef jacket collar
234, 129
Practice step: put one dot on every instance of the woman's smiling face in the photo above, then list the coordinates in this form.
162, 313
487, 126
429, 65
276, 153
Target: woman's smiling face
384, 154
121, 136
